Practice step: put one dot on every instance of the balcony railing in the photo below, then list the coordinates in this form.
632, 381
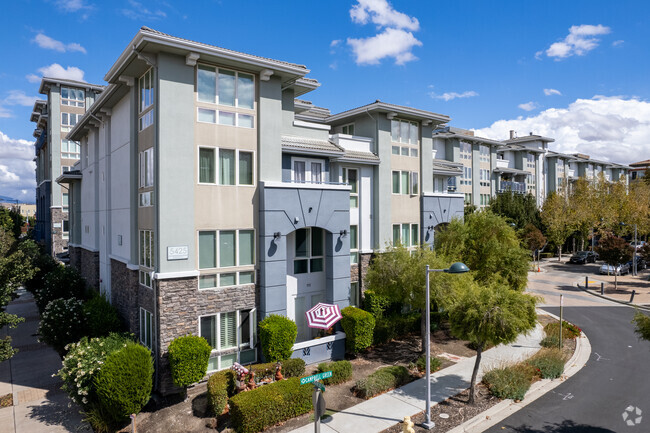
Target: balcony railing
518, 187
502, 163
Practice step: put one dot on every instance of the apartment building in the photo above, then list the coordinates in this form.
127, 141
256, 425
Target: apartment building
638, 169
66, 102
561, 170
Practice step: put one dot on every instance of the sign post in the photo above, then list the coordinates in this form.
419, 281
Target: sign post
317, 399
315, 377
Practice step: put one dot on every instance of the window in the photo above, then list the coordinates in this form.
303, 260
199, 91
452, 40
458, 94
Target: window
146, 199
205, 115
466, 177
485, 199
354, 294
407, 235
484, 152
465, 150
225, 87
70, 149
226, 167
350, 176
308, 170
348, 129
207, 167
530, 160
72, 97
70, 119
64, 201
309, 250
230, 330
146, 92
395, 150
234, 165
414, 153
146, 328
405, 182
451, 183
403, 131
414, 183
146, 256
146, 168
354, 245
405, 151
468, 198
484, 177
65, 232
226, 249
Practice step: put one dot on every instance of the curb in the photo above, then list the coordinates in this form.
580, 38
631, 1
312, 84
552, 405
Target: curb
501, 411
618, 301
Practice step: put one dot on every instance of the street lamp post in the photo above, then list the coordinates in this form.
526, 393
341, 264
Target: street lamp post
456, 268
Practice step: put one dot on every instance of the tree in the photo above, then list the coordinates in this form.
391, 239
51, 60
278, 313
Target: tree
581, 205
614, 251
558, 221
520, 209
645, 252
533, 239
490, 315
489, 246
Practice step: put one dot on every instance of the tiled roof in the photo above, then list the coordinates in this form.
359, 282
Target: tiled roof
310, 144
440, 167
640, 163
360, 156
156, 32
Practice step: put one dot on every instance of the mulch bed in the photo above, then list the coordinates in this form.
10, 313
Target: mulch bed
6, 400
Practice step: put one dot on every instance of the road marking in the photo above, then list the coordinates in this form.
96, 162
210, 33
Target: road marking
629, 412
600, 357
567, 396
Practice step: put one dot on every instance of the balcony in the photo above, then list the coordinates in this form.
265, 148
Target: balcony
503, 163
517, 187
571, 173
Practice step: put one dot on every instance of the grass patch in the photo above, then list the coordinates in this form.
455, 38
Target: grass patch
7, 400
569, 330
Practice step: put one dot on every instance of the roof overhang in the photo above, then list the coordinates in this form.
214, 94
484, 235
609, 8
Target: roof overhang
468, 138
511, 171
48, 82
399, 110
69, 177
529, 138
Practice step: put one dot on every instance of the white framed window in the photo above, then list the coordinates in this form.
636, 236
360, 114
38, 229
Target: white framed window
230, 251
395, 150
228, 118
484, 175
65, 201
226, 331
348, 129
309, 250
415, 186
405, 151
354, 244
530, 160
146, 99
451, 183
468, 198
408, 235
404, 181
146, 328
485, 199
226, 166
484, 153
466, 177
65, 229
404, 131
146, 168
351, 177
414, 152
147, 256
465, 150
70, 149
225, 87
145, 199
72, 97
70, 119
306, 170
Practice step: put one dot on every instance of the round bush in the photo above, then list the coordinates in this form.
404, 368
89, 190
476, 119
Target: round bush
421, 363
549, 363
62, 282
293, 367
188, 359
82, 364
550, 341
63, 322
509, 382
358, 326
103, 318
277, 335
125, 380
341, 371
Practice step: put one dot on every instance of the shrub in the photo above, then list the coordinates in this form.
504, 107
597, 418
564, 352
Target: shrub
421, 363
63, 322
382, 380
62, 282
125, 380
550, 341
103, 318
358, 326
397, 325
268, 405
82, 364
188, 359
549, 363
293, 367
341, 371
375, 304
509, 382
277, 335
45, 264
569, 330
221, 386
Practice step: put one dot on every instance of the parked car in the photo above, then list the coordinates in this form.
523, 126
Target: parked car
638, 245
582, 257
640, 263
618, 270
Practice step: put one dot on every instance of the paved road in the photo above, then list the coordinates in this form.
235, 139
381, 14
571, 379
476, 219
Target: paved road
616, 377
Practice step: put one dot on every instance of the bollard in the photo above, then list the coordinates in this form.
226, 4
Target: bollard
602, 288
632, 296
586, 282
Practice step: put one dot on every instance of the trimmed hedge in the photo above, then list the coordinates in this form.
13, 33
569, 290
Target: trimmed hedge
277, 335
569, 330
221, 386
292, 367
510, 382
549, 363
341, 371
382, 380
358, 326
103, 318
255, 410
125, 381
188, 359
396, 325
375, 304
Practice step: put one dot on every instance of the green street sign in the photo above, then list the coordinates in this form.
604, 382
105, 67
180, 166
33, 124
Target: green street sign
319, 376
319, 386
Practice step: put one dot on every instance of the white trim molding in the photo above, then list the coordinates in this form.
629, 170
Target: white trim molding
168, 275
311, 125
318, 341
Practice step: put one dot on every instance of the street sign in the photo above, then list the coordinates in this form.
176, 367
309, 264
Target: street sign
319, 376
319, 386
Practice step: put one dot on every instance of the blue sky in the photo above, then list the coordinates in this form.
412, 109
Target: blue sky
576, 71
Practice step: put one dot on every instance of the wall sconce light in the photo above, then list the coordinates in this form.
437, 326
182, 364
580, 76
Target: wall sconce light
276, 236
343, 233
430, 228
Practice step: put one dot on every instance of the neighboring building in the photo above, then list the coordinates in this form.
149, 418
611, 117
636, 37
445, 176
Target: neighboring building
638, 169
562, 170
66, 102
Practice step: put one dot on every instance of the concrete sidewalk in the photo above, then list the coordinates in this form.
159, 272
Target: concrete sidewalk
39, 403
390, 408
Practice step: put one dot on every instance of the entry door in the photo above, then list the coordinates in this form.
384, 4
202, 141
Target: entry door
302, 304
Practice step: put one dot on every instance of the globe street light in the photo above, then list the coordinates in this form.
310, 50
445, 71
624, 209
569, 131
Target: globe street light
456, 268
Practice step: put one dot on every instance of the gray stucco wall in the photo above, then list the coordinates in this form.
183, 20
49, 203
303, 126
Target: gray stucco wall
426, 158
269, 130
439, 209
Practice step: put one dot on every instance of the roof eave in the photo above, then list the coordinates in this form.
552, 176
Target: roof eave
381, 106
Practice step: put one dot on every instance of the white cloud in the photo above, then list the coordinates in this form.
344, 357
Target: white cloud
549, 92
607, 128
57, 71
381, 13
139, 12
334, 43
391, 42
528, 106
395, 41
18, 97
448, 96
71, 5
49, 43
580, 40
617, 43
17, 168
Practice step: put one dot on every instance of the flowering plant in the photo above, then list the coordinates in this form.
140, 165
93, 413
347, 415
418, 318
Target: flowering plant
63, 321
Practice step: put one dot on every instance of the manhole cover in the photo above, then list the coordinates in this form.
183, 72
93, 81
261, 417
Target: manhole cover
444, 415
